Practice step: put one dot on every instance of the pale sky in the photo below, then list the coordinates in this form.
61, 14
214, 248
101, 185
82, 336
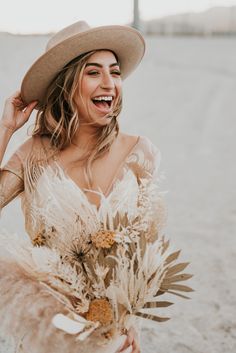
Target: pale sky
42, 16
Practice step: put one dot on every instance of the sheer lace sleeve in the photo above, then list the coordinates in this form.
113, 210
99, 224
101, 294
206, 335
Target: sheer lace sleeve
11, 179
145, 160
152, 156
146, 164
22, 170
12, 173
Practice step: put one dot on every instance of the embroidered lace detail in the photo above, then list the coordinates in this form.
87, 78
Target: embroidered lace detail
10, 187
52, 201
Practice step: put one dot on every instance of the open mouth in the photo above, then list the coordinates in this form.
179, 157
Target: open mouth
103, 102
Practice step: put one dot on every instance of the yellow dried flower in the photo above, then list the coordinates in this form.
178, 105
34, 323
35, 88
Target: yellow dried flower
103, 239
39, 240
100, 310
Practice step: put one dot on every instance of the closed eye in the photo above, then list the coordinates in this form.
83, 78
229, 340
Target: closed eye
93, 72
116, 72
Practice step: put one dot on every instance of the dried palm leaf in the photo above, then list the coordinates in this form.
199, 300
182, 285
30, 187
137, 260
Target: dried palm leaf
178, 294
152, 317
176, 268
159, 304
177, 278
165, 246
172, 257
178, 287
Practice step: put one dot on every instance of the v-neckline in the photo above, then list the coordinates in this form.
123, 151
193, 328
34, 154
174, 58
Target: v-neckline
105, 194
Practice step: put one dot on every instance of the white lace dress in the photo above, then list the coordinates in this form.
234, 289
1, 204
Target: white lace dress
54, 205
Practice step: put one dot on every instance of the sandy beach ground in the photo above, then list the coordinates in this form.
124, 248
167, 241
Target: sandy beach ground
183, 97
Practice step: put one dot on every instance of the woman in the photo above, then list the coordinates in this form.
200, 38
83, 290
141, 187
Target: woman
76, 156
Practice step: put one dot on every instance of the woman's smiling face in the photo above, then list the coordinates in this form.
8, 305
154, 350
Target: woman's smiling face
100, 88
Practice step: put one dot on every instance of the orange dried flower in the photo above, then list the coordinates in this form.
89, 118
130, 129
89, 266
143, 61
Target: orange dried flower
103, 239
100, 310
39, 240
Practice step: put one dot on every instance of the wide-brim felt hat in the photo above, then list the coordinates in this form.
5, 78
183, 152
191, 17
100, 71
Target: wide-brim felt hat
126, 42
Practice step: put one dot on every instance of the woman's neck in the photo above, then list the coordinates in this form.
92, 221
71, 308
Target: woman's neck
85, 138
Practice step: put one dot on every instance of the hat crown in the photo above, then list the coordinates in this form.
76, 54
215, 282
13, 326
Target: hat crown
65, 33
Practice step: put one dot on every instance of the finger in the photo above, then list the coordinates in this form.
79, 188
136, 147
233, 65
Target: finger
19, 104
127, 343
136, 348
16, 100
29, 108
130, 338
136, 344
131, 335
127, 350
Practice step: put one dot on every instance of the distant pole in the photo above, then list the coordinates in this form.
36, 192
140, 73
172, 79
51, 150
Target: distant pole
136, 20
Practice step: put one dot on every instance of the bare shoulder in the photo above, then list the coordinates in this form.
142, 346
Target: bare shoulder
144, 143
128, 141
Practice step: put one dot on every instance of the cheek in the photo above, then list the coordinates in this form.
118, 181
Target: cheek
119, 87
85, 94
87, 86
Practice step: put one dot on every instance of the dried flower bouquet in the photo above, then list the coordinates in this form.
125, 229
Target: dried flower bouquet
107, 278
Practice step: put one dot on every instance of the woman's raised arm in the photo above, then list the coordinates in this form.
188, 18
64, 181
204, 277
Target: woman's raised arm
15, 115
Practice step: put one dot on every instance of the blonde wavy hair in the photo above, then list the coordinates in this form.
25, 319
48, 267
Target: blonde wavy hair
58, 116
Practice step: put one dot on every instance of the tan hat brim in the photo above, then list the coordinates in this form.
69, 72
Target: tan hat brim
126, 42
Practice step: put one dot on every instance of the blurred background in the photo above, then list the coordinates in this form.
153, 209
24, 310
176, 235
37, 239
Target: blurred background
183, 97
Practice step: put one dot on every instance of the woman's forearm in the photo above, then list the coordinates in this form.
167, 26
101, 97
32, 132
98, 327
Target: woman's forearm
5, 136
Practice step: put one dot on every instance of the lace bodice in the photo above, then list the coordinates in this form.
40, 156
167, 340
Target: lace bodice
53, 204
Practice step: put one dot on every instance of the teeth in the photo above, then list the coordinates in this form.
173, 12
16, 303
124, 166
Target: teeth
106, 98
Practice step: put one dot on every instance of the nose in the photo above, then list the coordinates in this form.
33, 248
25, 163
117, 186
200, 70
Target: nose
107, 81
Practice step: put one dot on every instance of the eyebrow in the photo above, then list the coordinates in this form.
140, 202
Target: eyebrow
99, 65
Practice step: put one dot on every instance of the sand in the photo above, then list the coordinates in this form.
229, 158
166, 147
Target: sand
183, 98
